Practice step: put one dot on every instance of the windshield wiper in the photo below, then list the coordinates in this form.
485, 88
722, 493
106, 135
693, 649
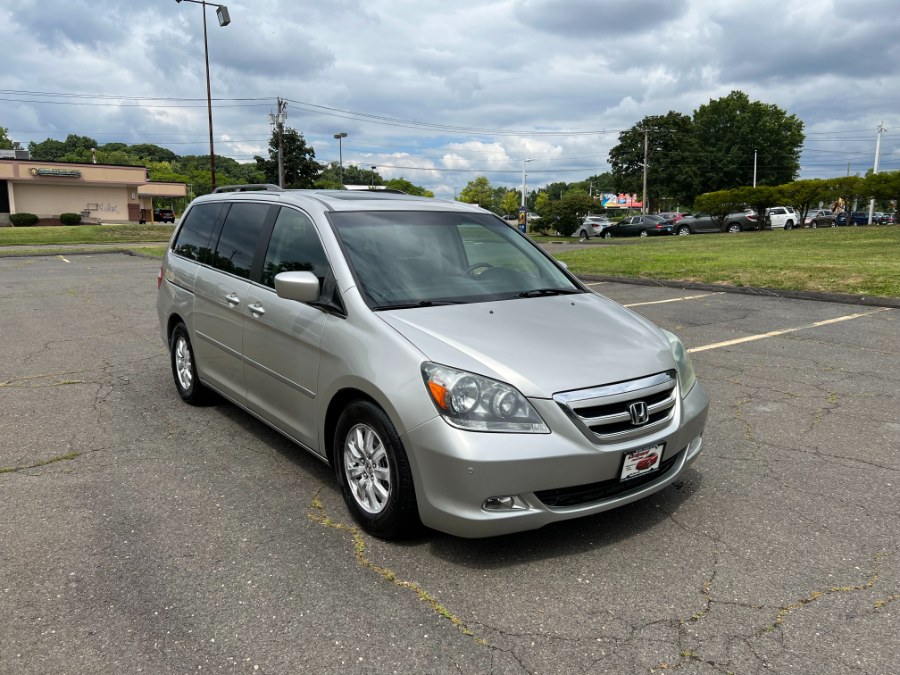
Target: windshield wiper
538, 292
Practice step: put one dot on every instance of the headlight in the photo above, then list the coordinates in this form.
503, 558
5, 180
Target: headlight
686, 376
477, 403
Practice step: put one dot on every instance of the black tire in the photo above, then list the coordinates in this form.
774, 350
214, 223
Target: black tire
789, 225
607, 235
184, 368
684, 230
373, 472
734, 228
584, 235
814, 224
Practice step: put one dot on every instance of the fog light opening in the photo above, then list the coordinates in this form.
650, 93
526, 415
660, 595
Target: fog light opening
504, 503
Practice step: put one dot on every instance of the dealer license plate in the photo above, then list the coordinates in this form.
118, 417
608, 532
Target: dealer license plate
642, 461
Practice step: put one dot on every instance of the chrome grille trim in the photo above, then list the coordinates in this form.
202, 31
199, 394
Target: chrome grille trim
602, 413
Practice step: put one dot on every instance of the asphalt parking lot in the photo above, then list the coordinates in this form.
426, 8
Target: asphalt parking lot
139, 534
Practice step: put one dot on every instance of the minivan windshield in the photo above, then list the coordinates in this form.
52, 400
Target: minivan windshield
423, 258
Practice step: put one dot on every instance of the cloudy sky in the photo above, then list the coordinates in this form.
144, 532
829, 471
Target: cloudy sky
442, 92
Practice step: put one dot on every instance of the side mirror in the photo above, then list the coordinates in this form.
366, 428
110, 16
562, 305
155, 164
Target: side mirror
299, 286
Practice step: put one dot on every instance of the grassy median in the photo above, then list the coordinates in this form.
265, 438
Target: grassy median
83, 234
856, 260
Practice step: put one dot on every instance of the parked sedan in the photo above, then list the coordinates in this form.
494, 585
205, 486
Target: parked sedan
639, 226
704, 223
592, 226
819, 218
856, 218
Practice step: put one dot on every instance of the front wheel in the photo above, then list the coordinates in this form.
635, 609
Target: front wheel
373, 472
184, 367
607, 235
643, 234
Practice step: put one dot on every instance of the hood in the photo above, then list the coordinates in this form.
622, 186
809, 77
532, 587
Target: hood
539, 345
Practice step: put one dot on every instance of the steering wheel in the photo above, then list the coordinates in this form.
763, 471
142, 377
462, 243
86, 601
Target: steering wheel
470, 270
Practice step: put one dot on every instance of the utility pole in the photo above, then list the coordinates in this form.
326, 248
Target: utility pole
881, 130
754, 168
277, 121
646, 155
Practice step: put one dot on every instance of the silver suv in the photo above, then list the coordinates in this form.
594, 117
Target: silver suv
405, 340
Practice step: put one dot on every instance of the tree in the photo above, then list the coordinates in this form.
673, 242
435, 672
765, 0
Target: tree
671, 150
405, 186
511, 201
5, 142
760, 198
718, 204
330, 178
566, 214
804, 195
300, 166
731, 129
55, 151
478, 191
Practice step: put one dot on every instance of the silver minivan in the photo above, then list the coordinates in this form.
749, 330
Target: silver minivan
418, 346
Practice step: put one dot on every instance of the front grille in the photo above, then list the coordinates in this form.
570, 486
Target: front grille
607, 489
604, 413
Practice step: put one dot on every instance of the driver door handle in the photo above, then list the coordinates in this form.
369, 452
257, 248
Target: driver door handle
256, 309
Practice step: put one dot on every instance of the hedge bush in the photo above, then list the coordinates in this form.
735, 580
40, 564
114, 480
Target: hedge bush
22, 219
70, 218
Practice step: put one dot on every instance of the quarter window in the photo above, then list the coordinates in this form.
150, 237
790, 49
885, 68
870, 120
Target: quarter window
239, 238
193, 238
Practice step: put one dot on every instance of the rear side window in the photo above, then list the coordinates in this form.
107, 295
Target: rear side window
294, 247
239, 238
193, 238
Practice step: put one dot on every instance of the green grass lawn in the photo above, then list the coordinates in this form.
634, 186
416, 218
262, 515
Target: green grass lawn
857, 260
84, 234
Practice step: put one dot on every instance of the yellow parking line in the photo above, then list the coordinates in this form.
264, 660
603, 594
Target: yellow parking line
775, 333
686, 297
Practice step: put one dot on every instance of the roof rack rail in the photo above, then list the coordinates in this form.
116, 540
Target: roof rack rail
267, 187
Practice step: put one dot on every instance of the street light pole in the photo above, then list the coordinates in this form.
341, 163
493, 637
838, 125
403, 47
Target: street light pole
373, 176
524, 162
224, 20
340, 139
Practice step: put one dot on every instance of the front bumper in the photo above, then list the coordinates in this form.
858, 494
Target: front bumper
553, 477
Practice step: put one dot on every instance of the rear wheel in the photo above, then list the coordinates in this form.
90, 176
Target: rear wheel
789, 225
684, 230
184, 368
734, 228
373, 472
584, 235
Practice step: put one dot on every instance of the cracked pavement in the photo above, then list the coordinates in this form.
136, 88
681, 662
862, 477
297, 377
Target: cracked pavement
143, 535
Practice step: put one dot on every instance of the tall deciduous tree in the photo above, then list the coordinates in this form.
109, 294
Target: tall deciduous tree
300, 166
671, 151
731, 129
56, 151
478, 191
5, 141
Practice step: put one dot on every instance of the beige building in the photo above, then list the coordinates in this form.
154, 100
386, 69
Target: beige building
99, 192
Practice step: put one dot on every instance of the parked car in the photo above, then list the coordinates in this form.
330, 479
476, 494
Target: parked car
856, 218
674, 216
782, 217
163, 216
639, 226
704, 223
819, 218
890, 218
592, 226
403, 341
